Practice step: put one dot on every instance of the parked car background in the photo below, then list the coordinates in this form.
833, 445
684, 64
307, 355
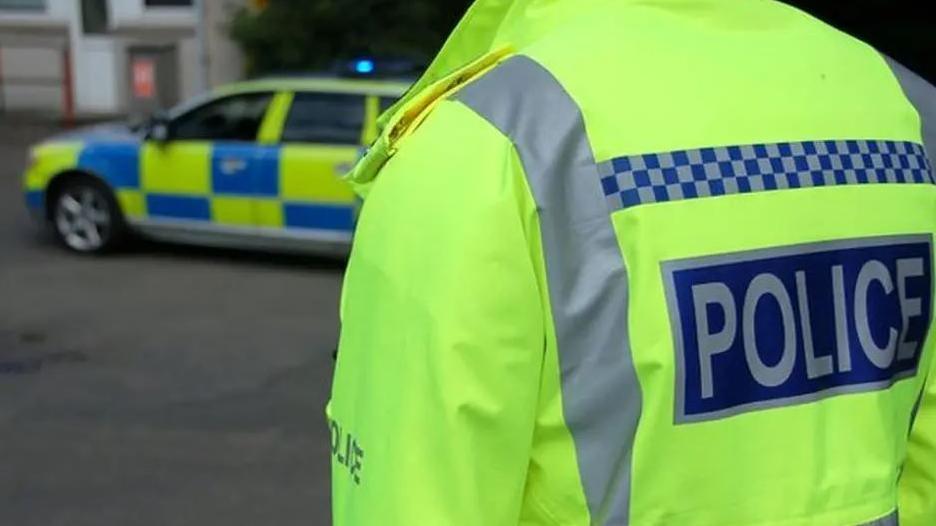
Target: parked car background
252, 165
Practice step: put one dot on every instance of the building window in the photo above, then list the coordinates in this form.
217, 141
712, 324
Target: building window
30, 5
168, 3
94, 19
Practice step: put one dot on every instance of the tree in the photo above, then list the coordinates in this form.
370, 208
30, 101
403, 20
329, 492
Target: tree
303, 35
297, 35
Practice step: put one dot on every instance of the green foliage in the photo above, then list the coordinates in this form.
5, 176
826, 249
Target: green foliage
303, 35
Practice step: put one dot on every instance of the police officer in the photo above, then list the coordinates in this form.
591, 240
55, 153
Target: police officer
655, 262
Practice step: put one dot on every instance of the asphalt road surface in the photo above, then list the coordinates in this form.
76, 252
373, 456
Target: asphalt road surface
162, 386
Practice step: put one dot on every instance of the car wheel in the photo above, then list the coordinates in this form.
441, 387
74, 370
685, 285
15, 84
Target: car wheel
86, 218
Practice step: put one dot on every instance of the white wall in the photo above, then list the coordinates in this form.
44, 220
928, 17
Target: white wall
135, 13
225, 60
99, 62
61, 8
189, 69
98, 75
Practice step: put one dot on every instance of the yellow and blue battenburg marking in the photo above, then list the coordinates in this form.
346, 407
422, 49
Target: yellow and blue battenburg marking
690, 174
35, 199
268, 186
786, 326
55, 159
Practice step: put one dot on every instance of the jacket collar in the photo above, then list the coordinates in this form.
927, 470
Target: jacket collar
489, 25
488, 32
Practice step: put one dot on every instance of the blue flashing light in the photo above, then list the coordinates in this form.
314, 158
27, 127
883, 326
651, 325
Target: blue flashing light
364, 66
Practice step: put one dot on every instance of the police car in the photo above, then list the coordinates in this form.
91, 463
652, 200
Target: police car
254, 165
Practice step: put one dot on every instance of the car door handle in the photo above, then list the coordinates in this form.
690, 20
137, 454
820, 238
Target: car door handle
232, 165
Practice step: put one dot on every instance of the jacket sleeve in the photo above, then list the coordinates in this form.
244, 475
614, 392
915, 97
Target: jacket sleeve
918, 481
435, 391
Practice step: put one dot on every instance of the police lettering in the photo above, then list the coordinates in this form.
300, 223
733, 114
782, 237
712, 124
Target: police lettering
765, 329
346, 451
768, 287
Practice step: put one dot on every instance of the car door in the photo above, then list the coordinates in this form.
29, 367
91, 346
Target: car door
205, 174
321, 139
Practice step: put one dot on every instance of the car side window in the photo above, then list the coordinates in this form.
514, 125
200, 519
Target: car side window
387, 102
235, 118
328, 118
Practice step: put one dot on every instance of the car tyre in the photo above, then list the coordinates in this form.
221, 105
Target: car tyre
86, 218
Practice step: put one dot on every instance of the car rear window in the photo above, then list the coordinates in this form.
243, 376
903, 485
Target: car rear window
329, 118
234, 118
387, 102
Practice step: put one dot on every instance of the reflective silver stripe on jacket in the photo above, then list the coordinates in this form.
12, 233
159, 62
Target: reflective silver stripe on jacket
890, 520
587, 278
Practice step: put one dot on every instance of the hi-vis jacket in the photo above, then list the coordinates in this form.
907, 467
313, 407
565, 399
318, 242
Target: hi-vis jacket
643, 262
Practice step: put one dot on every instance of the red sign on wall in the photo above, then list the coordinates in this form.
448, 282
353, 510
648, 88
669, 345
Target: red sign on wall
144, 78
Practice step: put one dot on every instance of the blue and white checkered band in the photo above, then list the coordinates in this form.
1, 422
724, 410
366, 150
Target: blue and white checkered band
690, 174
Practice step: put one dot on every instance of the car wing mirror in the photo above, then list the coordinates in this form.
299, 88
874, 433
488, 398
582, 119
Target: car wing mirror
159, 129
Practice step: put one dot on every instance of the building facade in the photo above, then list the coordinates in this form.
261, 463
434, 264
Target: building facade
110, 57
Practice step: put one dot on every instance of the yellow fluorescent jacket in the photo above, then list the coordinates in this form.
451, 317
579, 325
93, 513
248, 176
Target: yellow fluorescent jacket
660, 262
